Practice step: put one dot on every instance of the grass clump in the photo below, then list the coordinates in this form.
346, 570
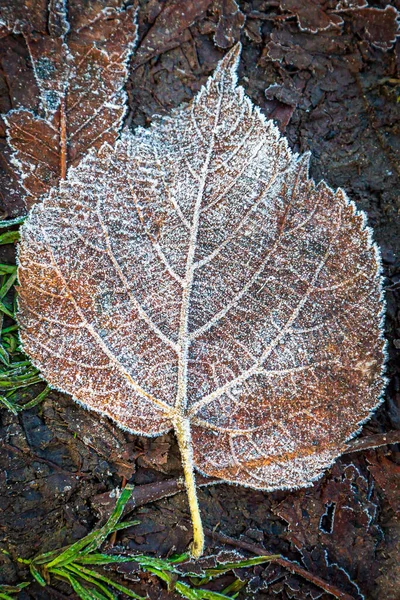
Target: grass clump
78, 565
7, 592
17, 374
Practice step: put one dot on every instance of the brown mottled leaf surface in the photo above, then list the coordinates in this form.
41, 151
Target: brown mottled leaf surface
80, 72
312, 15
194, 274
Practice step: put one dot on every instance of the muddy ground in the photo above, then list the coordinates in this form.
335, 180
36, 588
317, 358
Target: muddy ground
331, 82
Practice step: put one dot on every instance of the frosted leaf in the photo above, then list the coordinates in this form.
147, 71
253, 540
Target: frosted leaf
80, 75
194, 277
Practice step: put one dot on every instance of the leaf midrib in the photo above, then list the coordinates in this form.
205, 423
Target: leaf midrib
184, 340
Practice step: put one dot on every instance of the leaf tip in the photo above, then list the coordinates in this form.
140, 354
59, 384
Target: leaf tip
229, 63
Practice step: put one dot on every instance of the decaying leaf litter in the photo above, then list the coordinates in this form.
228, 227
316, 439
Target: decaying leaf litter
80, 73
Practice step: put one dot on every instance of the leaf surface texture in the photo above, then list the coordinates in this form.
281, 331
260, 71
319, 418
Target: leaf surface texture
193, 275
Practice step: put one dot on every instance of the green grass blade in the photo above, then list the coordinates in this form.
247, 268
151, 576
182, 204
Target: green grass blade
4, 356
79, 589
6, 590
234, 588
185, 590
103, 559
125, 525
9, 405
94, 539
7, 285
9, 329
90, 577
41, 559
93, 574
71, 553
39, 398
250, 562
35, 573
6, 310
200, 594
111, 524
6, 269
156, 563
19, 382
9, 237
10, 222
178, 558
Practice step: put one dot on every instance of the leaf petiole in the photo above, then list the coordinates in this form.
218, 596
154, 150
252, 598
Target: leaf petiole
183, 435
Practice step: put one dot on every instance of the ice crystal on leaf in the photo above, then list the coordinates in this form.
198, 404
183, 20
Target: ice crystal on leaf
193, 277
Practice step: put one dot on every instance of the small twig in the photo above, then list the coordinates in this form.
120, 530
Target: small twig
147, 493
143, 494
373, 441
284, 562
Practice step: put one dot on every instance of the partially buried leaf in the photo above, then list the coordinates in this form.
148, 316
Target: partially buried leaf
80, 73
194, 277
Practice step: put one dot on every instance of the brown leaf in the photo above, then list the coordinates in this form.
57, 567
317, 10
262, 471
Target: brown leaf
386, 473
176, 16
311, 15
194, 277
378, 26
343, 507
230, 22
15, 14
19, 89
11, 193
80, 75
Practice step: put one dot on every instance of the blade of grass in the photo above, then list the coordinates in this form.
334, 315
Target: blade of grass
250, 562
16, 384
9, 405
8, 284
7, 268
5, 310
36, 575
185, 590
201, 594
9, 237
103, 559
11, 222
112, 522
4, 356
156, 563
125, 525
94, 539
234, 587
79, 589
89, 573
39, 398
6, 590
9, 329
90, 577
